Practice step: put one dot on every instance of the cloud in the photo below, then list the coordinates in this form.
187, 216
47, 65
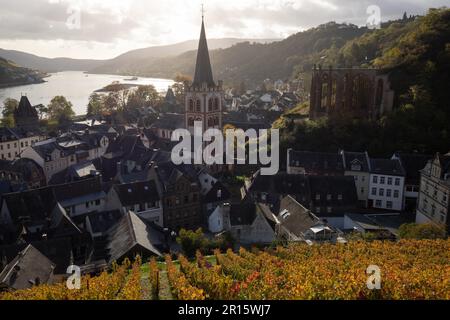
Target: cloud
119, 23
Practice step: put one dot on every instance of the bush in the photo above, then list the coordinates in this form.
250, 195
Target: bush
421, 231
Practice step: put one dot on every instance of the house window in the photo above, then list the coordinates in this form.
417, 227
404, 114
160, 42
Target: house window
186, 199
340, 197
198, 106
317, 196
397, 181
318, 210
378, 203
328, 197
389, 204
433, 210
87, 205
329, 210
375, 179
381, 192
382, 180
389, 193
396, 194
97, 202
390, 181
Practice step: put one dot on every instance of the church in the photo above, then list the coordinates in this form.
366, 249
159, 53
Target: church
204, 99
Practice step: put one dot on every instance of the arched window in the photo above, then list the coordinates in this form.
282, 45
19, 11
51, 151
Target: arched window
216, 104
191, 105
198, 107
210, 104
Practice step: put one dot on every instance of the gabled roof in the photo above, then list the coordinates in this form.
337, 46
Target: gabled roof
295, 218
132, 231
217, 193
413, 163
387, 167
29, 268
203, 71
352, 158
34, 205
243, 213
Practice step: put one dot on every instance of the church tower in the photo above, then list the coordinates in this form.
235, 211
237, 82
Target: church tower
204, 99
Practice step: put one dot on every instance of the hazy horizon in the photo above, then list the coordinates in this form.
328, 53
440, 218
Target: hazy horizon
98, 29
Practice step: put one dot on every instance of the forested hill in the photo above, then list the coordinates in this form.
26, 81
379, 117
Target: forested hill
256, 62
12, 74
416, 53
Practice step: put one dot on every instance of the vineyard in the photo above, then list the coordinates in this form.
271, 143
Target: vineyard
409, 270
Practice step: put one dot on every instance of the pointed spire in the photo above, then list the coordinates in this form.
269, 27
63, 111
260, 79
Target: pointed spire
203, 71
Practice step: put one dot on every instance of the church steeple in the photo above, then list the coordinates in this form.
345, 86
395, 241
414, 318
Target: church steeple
203, 71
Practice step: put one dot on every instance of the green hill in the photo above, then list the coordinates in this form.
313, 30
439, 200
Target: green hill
13, 75
416, 52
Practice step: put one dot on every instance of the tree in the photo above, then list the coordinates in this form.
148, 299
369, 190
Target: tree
95, 105
144, 96
9, 106
421, 231
60, 109
191, 241
42, 111
405, 16
178, 87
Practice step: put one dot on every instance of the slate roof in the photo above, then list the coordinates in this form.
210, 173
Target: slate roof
130, 232
243, 213
413, 164
317, 161
213, 194
203, 71
334, 186
137, 192
78, 189
387, 167
30, 267
361, 157
35, 205
296, 218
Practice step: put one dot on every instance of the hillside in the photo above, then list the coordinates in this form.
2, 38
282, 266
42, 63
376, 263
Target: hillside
255, 62
13, 75
416, 53
127, 63
133, 62
409, 269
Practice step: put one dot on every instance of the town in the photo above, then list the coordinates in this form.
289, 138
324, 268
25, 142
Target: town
97, 190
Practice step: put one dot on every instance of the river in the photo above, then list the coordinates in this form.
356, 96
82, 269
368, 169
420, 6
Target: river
76, 86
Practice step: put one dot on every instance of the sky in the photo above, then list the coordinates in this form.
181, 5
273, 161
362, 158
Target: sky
103, 29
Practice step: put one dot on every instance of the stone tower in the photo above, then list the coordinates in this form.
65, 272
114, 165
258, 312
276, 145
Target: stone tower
204, 98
